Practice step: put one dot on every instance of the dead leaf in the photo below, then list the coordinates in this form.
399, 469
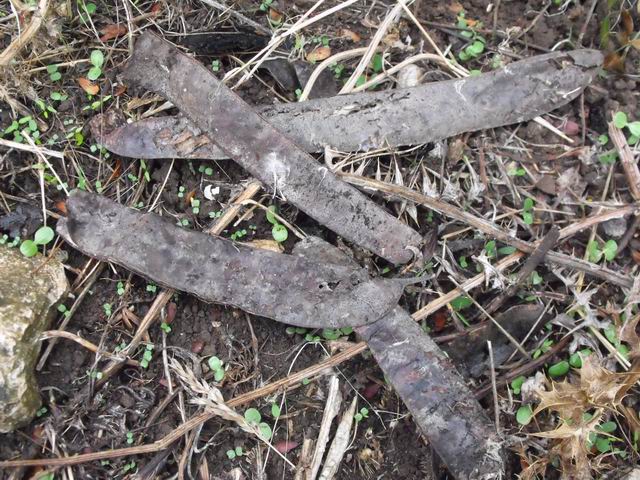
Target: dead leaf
61, 206
275, 16
88, 86
614, 62
111, 31
319, 54
155, 8
635, 254
627, 26
266, 244
455, 7
629, 331
351, 35
120, 89
285, 446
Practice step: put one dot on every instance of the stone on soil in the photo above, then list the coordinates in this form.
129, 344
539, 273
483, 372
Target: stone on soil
30, 289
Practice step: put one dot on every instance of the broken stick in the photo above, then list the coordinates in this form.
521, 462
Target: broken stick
285, 288
266, 153
518, 92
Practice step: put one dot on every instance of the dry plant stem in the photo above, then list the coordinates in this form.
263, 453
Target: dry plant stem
491, 229
86, 344
194, 422
76, 304
332, 407
524, 369
629, 164
338, 57
536, 257
31, 148
494, 388
340, 443
227, 9
37, 19
391, 17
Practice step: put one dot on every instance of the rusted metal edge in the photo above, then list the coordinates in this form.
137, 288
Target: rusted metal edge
520, 91
286, 288
262, 150
427, 381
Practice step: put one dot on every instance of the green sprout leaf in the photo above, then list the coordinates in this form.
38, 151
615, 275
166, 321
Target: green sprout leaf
43, 235
97, 58
28, 248
461, 303
610, 249
94, 73
265, 431
524, 415
620, 119
275, 410
559, 369
280, 233
231, 454
594, 252
214, 363
252, 416
516, 384
271, 218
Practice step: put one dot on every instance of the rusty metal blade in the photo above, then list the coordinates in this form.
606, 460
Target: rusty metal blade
265, 152
427, 381
286, 288
520, 91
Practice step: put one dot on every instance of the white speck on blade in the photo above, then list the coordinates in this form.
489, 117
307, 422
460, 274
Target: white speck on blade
275, 168
458, 86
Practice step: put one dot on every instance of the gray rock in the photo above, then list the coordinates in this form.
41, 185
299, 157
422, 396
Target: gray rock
615, 228
30, 289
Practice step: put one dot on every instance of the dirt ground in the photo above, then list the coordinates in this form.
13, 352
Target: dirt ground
128, 410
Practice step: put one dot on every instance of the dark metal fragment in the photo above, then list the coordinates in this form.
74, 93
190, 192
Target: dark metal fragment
286, 288
437, 397
520, 91
265, 152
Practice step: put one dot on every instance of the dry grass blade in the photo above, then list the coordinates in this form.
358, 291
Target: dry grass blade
25, 37
339, 444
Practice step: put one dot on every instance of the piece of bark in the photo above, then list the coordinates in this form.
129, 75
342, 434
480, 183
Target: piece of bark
427, 381
518, 92
285, 288
265, 152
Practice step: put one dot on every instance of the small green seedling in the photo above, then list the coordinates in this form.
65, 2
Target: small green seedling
535, 278
361, 415
107, 309
195, 206
575, 360
181, 191
97, 60
62, 308
334, 334
253, 417
558, 369
236, 452
54, 74
546, 346
608, 251
41, 411
306, 381
621, 121
216, 366
165, 327
524, 415
215, 65
129, 466
279, 232
147, 356
43, 236
516, 384
120, 288
151, 288
130, 438
265, 5
238, 234
275, 410
527, 211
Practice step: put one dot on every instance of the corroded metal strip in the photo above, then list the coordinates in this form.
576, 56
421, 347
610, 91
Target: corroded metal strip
262, 150
286, 288
427, 381
520, 91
